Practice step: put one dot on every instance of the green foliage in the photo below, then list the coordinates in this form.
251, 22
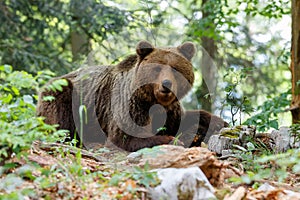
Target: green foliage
267, 116
19, 126
177, 139
36, 35
250, 151
273, 167
215, 16
270, 8
161, 129
57, 85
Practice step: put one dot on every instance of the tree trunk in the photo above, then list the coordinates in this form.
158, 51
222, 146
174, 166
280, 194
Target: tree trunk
79, 44
80, 41
208, 70
295, 61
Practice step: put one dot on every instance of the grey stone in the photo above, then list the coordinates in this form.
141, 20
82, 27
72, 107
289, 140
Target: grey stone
265, 187
218, 143
134, 157
182, 183
227, 137
286, 194
246, 132
294, 140
281, 139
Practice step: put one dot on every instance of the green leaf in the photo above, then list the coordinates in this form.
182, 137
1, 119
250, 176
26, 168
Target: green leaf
114, 181
250, 146
48, 98
25, 171
274, 123
56, 85
6, 68
7, 99
296, 168
15, 90
28, 99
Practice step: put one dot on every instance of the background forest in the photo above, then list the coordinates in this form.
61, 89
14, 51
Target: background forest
246, 45
242, 66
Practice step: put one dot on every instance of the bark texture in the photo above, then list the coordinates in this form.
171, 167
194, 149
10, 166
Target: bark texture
295, 61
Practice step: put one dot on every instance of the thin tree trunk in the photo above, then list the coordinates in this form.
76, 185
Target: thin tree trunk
208, 71
295, 61
79, 44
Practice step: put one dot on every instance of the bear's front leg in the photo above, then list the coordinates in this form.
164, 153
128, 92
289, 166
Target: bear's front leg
198, 125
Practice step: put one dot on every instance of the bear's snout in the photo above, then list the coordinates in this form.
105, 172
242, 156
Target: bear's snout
166, 84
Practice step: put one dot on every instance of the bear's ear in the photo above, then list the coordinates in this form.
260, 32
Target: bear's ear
143, 48
187, 49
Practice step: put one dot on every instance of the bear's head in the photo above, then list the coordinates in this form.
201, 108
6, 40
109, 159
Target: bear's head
165, 72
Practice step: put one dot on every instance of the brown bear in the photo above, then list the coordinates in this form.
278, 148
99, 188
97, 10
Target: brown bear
134, 104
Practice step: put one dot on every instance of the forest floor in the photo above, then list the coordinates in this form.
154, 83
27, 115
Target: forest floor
56, 171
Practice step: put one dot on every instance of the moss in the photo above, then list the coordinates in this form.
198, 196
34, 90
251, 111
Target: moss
240, 127
231, 133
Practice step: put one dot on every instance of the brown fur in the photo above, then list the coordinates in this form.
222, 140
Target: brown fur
131, 100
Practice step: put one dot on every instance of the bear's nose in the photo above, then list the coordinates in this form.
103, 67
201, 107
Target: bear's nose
167, 84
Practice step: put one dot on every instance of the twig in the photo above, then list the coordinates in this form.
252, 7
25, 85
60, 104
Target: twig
73, 150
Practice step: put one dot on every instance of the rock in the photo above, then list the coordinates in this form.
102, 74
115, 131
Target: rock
284, 139
281, 139
294, 140
134, 157
227, 137
184, 183
278, 140
267, 191
265, 187
218, 143
170, 156
245, 132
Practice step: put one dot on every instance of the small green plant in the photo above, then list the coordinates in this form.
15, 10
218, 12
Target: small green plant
273, 167
245, 155
176, 139
83, 120
249, 152
161, 129
295, 132
237, 102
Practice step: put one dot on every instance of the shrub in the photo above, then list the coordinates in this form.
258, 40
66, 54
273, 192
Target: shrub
19, 126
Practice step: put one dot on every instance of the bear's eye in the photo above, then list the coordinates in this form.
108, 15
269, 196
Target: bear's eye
157, 69
174, 70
